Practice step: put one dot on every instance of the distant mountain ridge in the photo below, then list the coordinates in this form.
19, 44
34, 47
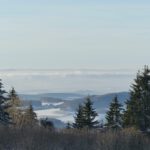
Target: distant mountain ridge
64, 96
72, 100
61, 107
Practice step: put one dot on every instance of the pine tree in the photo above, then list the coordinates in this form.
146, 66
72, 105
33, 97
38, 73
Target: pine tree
89, 114
4, 116
13, 109
14, 99
86, 116
137, 112
79, 118
30, 117
114, 116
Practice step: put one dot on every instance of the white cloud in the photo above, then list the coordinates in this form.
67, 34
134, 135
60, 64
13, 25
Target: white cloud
65, 73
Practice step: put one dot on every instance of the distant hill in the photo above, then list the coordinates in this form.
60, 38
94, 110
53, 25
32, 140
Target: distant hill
62, 106
63, 96
70, 101
101, 102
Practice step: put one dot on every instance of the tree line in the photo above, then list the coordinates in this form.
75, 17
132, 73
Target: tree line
11, 111
14, 114
136, 112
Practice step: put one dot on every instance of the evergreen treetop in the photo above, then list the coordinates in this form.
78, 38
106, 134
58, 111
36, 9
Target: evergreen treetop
30, 117
79, 118
137, 112
86, 116
14, 109
4, 116
114, 116
14, 99
90, 114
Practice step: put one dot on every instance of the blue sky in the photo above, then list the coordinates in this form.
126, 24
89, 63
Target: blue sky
74, 34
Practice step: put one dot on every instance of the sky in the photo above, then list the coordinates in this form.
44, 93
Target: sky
71, 34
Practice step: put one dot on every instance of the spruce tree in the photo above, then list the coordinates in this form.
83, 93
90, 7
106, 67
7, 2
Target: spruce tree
114, 116
137, 112
4, 116
30, 117
86, 116
14, 107
89, 114
14, 99
79, 118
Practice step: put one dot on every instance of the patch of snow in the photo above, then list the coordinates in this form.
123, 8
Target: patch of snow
54, 104
59, 114
56, 113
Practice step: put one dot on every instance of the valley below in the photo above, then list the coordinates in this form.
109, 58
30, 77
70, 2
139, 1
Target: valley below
60, 107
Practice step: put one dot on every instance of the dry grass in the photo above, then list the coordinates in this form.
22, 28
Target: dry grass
42, 139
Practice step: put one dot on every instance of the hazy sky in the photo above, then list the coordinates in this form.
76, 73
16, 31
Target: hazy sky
74, 33
82, 81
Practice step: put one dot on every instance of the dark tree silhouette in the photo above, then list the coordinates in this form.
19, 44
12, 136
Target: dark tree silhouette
4, 116
79, 118
137, 112
114, 116
86, 116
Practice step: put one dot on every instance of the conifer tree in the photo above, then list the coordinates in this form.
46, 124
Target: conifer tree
13, 97
89, 114
13, 109
86, 116
30, 117
114, 116
79, 118
4, 116
137, 112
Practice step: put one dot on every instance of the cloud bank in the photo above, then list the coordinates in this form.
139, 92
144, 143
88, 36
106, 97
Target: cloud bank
65, 80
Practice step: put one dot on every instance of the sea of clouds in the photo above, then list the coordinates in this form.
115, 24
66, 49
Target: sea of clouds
68, 80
